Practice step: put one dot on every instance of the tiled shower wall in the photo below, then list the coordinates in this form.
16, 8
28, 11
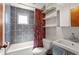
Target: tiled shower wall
21, 32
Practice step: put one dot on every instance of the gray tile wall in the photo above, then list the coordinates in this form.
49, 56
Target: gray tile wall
21, 32
67, 32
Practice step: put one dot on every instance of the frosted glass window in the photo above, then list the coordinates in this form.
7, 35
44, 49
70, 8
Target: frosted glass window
23, 19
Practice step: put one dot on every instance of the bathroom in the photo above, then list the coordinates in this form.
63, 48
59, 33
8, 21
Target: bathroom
40, 29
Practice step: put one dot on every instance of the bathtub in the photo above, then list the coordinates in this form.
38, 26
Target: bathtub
24, 48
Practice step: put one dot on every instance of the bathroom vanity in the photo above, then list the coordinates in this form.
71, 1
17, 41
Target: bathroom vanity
68, 46
60, 51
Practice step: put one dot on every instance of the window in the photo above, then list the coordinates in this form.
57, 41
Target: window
23, 19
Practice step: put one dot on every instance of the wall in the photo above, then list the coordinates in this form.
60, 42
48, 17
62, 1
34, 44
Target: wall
59, 33
51, 33
7, 22
67, 32
64, 17
21, 32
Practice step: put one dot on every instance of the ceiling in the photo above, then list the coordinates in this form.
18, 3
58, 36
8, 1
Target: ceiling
36, 5
57, 5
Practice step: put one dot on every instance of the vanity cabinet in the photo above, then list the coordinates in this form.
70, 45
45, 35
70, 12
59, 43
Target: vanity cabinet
60, 51
1, 25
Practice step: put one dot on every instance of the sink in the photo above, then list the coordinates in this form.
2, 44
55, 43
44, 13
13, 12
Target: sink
66, 42
67, 45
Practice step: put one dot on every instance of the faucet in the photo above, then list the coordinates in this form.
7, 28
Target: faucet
73, 36
75, 39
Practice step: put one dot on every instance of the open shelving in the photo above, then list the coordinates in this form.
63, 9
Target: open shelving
50, 15
50, 22
51, 25
49, 9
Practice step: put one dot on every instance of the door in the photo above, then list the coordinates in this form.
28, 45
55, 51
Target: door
1, 25
75, 17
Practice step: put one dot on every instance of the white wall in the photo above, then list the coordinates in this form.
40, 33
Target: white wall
59, 33
65, 17
51, 33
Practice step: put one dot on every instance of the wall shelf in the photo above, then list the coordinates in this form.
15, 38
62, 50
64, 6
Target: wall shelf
52, 25
52, 15
49, 9
51, 22
47, 18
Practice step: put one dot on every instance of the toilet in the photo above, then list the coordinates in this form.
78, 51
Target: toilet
42, 50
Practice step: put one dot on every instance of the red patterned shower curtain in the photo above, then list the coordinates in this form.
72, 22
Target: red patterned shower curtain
38, 35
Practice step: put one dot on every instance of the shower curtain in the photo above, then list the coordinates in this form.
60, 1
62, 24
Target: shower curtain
38, 39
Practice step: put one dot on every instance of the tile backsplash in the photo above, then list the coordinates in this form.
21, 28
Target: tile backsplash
67, 32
